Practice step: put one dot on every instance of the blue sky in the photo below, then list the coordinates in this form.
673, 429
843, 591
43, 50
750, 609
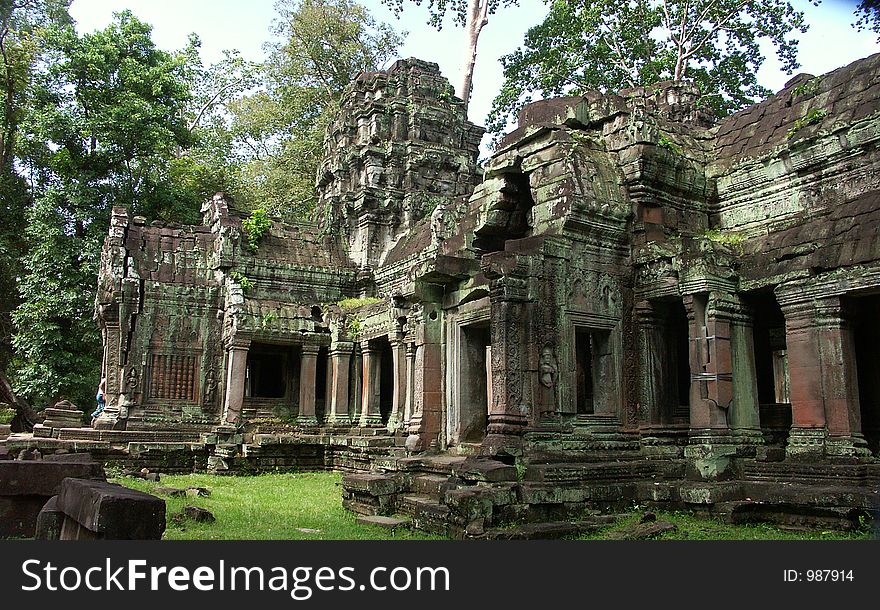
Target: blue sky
244, 24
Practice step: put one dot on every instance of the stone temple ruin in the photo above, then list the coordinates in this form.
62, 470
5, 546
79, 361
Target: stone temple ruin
630, 303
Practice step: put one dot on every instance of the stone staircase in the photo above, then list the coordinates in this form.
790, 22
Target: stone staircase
479, 497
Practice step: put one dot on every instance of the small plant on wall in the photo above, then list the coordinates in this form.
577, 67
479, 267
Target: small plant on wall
255, 227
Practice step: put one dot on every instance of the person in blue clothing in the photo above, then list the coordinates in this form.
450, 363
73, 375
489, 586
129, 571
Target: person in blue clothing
99, 397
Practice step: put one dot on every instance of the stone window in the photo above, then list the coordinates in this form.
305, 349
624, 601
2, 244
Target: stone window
172, 377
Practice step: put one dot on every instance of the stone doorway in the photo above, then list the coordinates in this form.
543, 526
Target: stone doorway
469, 416
771, 366
596, 390
866, 327
386, 378
271, 381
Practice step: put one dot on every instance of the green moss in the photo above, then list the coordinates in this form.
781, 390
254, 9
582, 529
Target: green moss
812, 117
255, 227
354, 327
727, 238
350, 304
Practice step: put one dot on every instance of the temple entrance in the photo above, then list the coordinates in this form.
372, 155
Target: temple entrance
866, 328
271, 380
596, 384
583, 371
322, 384
471, 392
386, 378
771, 366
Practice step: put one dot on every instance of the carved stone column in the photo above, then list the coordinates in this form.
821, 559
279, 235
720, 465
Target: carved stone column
509, 411
236, 373
340, 362
652, 393
824, 389
424, 424
111, 417
308, 366
410, 374
711, 363
398, 399
370, 415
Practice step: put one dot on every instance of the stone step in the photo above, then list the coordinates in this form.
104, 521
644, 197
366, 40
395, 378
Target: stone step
127, 436
439, 464
429, 484
590, 471
371, 483
421, 505
385, 522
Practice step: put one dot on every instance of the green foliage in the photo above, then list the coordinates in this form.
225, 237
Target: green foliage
6, 415
255, 227
353, 326
242, 280
609, 45
867, 15
23, 27
268, 507
810, 118
808, 88
669, 145
104, 127
57, 343
357, 303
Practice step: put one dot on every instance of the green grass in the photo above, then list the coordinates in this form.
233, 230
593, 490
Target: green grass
267, 507
691, 527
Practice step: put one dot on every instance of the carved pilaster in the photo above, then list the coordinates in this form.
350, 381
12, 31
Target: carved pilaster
826, 417
236, 373
370, 415
307, 382
340, 362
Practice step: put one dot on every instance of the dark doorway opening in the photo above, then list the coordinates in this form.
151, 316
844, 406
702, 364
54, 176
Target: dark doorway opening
474, 391
268, 372
321, 384
678, 367
386, 378
583, 349
771, 366
866, 328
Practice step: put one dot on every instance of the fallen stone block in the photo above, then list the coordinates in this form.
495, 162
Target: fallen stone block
26, 486
96, 509
382, 521
172, 492
50, 520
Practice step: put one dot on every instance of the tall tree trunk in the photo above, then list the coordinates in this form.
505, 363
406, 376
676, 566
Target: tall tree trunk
26, 417
477, 17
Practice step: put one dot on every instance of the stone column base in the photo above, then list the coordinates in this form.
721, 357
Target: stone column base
338, 419
846, 446
712, 454
112, 420
805, 444
307, 421
371, 421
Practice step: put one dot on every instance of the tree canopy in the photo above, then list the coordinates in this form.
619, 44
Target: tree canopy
608, 45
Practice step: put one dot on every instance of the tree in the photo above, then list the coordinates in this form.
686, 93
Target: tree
104, 127
23, 24
867, 15
474, 16
278, 131
607, 45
